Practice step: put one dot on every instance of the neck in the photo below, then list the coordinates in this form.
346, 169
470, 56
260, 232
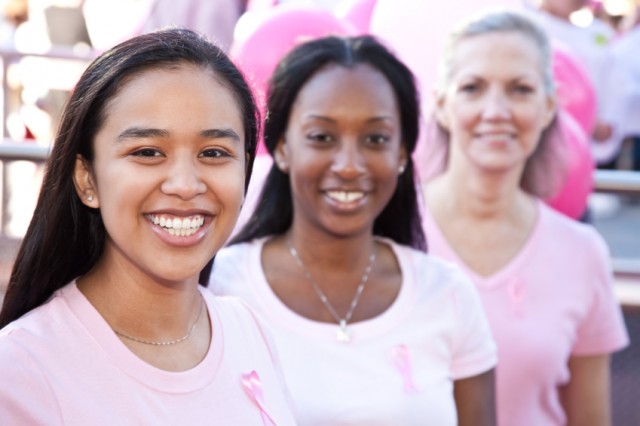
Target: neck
330, 251
479, 195
135, 304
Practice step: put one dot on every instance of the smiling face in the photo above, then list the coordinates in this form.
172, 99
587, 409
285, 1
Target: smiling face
495, 106
342, 150
168, 173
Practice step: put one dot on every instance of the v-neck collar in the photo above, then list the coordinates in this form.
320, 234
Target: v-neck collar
500, 277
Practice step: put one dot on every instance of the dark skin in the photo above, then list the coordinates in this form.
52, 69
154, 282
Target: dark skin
472, 399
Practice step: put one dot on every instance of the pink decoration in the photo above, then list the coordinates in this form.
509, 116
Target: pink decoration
516, 292
358, 13
253, 387
576, 93
573, 195
402, 361
265, 36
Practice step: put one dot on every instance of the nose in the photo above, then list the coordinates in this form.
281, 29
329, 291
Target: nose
497, 106
183, 180
348, 161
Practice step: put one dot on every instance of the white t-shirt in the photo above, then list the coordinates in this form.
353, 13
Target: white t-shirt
553, 300
399, 367
61, 364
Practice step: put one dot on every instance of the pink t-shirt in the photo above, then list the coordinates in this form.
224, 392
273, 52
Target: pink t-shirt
399, 367
553, 300
61, 364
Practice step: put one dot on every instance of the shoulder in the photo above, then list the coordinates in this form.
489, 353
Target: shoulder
233, 311
431, 273
234, 253
233, 263
582, 238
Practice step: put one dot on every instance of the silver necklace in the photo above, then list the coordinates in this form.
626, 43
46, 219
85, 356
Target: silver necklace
343, 334
169, 342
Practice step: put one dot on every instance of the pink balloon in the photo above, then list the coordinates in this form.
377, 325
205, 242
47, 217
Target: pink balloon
358, 13
573, 195
576, 93
265, 36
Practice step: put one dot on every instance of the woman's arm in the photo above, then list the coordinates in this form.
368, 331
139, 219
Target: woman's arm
475, 400
586, 397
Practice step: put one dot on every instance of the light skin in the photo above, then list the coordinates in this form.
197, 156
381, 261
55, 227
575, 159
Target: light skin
343, 153
494, 108
171, 147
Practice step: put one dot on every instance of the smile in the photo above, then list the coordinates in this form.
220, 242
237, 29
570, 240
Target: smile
495, 136
345, 196
177, 226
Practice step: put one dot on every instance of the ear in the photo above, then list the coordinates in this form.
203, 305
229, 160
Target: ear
402, 159
440, 113
84, 183
551, 110
281, 157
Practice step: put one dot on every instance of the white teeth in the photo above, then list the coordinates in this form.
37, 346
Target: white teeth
176, 226
345, 197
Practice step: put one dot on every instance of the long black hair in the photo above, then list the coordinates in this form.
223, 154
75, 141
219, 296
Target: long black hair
66, 238
400, 219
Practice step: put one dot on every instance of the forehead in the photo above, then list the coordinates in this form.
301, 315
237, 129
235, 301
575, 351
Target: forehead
339, 88
184, 99
497, 53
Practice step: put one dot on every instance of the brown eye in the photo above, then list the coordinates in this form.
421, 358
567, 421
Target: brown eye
214, 153
146, 152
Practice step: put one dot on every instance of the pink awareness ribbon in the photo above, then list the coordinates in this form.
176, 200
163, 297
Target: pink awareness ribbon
516, 292
253, 387
402, 361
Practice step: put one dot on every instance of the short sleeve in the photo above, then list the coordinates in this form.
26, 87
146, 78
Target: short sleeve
25, 396
474, 350
603, 330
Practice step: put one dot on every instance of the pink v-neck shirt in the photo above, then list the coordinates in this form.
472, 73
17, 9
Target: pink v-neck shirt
61, 364
398, 368
553, 300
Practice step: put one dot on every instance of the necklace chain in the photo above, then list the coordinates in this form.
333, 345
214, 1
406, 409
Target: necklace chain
342, 334
169, 342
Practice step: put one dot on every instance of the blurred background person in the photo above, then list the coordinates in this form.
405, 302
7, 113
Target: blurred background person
545, 280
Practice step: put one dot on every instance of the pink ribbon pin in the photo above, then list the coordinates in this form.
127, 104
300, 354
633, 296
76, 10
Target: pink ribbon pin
253, 387
402, 361
516, 292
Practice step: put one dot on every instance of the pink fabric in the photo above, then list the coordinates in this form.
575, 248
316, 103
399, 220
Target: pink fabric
62, 364
398, 368
553, 300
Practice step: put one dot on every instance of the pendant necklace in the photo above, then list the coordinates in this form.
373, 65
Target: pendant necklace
166, 342
343, 334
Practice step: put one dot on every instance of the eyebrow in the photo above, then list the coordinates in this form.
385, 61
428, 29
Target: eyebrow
143, 133
370, 120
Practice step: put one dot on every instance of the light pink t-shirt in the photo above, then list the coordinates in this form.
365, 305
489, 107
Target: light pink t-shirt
61, 364
553, 300
399, 367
